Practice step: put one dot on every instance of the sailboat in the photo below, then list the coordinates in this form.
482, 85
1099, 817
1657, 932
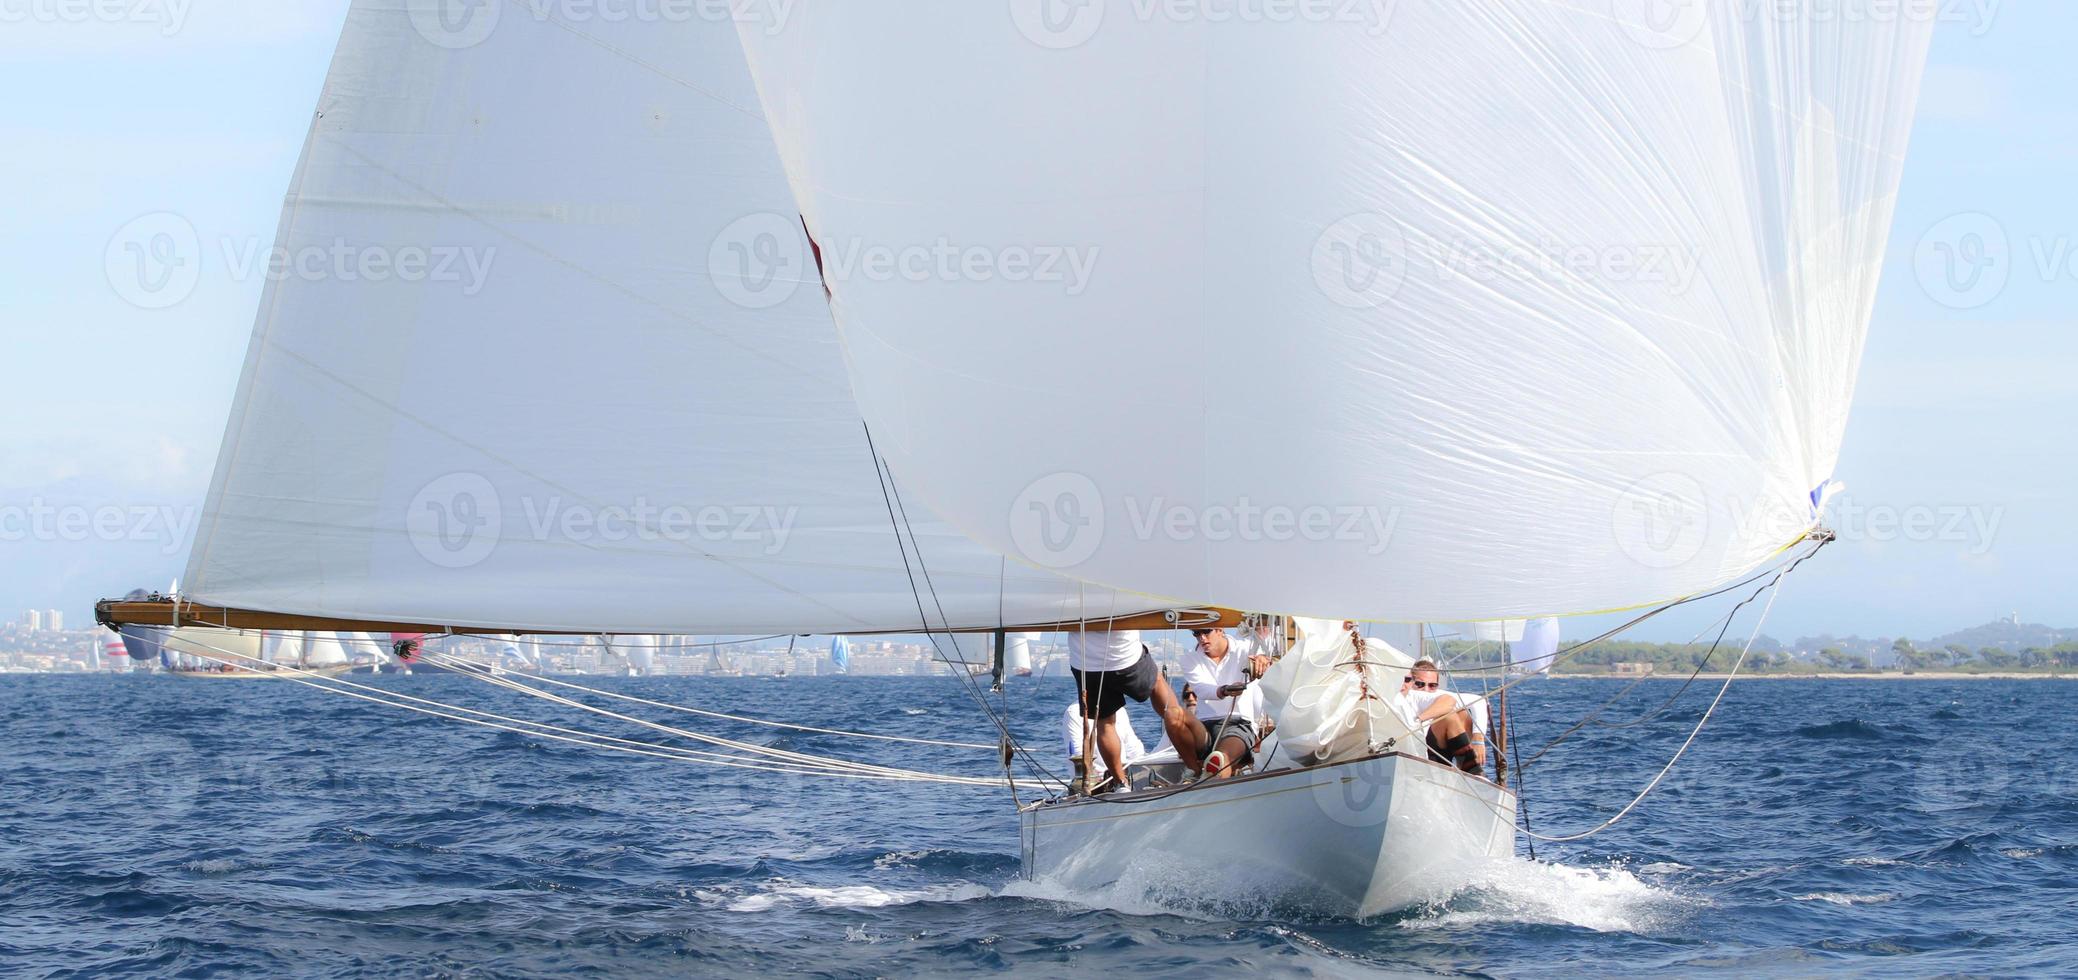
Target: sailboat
1018, 658
213, 654
1002, 324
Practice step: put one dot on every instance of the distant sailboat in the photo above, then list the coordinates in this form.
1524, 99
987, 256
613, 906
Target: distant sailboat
1018, 658
213, 654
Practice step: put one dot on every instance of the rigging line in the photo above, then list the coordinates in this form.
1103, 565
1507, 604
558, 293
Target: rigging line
887, 498
1586, 644
1586, 719
783, 755
1774, 593
973, 686
746, 719
1705, 662
587, 641
395, 699
1522, 792
1728, 619
1782, 569
692, 754
535, 729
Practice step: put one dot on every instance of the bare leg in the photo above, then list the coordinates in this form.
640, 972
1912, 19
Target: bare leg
1108, 745
1231, 746
1183, 727
1443, 731
1185, 733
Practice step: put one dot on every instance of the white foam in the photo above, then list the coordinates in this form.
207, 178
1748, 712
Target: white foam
1873, 862
2022, 853
852, 896
219, 866
1513, 890
1128, 895
1845, 898
897, 858
1663, 868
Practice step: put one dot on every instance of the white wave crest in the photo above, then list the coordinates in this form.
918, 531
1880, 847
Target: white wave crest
1512, 890
851, 896
1845, 898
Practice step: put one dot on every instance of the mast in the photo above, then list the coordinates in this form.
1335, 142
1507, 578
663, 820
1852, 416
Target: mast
995, 662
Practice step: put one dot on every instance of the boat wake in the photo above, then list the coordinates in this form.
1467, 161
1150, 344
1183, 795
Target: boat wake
1514, 890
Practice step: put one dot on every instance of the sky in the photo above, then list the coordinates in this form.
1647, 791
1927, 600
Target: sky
1958, 459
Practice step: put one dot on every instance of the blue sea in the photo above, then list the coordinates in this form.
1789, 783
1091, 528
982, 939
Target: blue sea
169, 827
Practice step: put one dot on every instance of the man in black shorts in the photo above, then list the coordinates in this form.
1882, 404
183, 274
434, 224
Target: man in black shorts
1110, 667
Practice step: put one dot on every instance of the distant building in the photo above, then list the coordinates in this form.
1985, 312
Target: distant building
33, 621
1631, 669
54, 620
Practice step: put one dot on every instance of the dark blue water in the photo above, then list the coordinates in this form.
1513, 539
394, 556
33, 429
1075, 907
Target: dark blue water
175, 827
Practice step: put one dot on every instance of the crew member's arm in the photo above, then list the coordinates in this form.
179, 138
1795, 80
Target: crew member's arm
1443, 705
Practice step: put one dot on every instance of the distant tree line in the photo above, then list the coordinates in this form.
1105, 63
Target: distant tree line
1683, 658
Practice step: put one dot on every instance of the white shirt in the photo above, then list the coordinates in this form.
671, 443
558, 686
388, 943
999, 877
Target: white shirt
1090, 650
1420, 701
1206, 676
1129, 747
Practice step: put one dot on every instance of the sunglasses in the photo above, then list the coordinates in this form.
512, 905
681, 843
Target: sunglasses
1419, 686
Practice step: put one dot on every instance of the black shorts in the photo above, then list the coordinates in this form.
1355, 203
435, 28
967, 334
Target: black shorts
1106, 691
1241, 728
1448, 752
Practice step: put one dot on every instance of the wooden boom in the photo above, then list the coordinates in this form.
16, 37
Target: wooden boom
161, 611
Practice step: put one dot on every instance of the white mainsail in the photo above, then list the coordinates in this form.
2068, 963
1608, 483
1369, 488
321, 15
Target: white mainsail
591, 384
1017, 654
284, 647
1507, 308
325, 650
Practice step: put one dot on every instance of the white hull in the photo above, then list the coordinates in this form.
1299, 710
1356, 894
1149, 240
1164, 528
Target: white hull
1350, 839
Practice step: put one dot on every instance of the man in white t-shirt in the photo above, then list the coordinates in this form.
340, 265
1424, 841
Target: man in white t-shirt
1111, 667
1458, 733
1214, 729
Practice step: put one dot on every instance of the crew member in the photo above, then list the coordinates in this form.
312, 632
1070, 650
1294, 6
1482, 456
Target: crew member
1110, 668
1457, 735
1214, 729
